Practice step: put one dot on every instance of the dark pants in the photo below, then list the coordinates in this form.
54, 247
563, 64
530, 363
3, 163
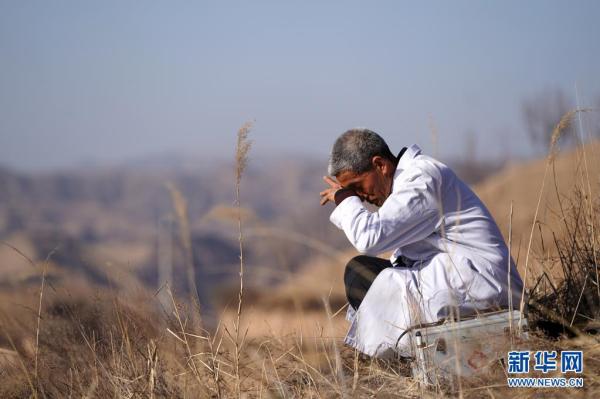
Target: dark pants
359, 275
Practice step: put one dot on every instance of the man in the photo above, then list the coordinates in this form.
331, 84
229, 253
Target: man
448, 253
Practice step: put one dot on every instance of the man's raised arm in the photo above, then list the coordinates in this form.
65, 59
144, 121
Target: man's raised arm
410, 213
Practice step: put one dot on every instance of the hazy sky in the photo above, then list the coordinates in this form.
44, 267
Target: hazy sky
103, 81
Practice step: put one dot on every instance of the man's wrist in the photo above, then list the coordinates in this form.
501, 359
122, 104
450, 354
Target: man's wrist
342, 194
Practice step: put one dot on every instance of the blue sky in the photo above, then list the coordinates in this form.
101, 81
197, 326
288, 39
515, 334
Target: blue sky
110, 81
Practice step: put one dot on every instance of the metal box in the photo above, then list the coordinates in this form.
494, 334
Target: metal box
464, 348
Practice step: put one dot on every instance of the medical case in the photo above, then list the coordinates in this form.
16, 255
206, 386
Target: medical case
463, 348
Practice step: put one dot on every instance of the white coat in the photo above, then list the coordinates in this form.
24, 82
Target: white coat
461, 259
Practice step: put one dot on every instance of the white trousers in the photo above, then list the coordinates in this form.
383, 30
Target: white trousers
402, 297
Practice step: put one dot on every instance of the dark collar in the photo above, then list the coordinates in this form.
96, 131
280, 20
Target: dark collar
402, 151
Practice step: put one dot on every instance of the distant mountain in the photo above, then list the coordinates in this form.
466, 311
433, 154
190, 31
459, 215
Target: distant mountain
99, 218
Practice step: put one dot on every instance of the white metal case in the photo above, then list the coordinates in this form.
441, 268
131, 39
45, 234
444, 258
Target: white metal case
466, 347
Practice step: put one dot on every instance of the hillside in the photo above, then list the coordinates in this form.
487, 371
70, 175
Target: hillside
521, 185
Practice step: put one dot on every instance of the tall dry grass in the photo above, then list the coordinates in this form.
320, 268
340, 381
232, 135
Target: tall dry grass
181, 212
241, 161
563, 123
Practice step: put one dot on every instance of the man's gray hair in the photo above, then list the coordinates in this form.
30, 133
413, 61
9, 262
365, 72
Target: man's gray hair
354, 149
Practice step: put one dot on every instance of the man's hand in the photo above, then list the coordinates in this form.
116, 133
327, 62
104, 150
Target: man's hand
329, 194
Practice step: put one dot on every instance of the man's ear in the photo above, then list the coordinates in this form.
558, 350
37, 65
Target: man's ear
380, 163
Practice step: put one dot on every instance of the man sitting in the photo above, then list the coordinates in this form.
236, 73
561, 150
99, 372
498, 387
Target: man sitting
448, 253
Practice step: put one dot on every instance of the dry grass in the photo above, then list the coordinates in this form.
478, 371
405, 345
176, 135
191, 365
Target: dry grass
107, 347
564, 122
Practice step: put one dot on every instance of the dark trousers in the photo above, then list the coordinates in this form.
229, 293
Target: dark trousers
359, 275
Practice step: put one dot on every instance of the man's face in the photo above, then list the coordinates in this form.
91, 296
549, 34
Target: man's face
374, 185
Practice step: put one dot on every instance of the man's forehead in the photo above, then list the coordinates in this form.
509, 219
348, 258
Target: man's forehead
348, 177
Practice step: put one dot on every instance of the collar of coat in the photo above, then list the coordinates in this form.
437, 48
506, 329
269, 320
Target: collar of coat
405, 157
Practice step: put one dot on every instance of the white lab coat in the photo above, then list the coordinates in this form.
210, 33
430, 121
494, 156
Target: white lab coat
461, 259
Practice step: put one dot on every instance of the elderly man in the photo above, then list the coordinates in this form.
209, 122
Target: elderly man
448, 253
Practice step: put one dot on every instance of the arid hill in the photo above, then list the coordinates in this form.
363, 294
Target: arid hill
521, 184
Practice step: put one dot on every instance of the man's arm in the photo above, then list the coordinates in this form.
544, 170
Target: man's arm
411, 213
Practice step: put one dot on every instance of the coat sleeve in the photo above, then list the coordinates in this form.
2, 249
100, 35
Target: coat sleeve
411, 213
